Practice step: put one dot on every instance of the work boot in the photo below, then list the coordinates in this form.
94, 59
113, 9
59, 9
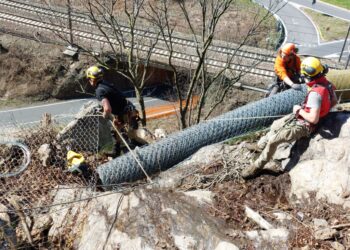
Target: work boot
251, 171
274, 167
253, 147
116, 151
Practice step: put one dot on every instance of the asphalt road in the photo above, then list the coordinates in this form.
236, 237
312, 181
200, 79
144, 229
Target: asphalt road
34, 113
301, 30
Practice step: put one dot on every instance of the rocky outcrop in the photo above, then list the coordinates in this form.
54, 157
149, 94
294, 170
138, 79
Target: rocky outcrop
69, 81
321, 165
143, 219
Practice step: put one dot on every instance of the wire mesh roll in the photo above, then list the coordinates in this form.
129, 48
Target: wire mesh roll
177, 147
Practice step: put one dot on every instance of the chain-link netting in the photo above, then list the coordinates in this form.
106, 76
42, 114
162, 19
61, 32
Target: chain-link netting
170, 151
33, 157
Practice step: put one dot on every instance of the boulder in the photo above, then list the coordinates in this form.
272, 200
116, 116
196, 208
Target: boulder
323, 162
69, 81
275, 238
337, 246
325, 234
3, 50
45, 154
143, 219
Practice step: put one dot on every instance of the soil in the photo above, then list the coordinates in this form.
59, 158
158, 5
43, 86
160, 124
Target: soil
267, 194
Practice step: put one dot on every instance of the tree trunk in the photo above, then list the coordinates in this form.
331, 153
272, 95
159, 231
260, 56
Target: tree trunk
182, 117
141, 101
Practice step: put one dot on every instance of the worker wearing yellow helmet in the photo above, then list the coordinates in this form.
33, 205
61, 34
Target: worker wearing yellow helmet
304, 119
115, 107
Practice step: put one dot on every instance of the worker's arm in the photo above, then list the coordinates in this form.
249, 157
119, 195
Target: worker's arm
312, 117
314, 102
281, 72
288, 81
107, 109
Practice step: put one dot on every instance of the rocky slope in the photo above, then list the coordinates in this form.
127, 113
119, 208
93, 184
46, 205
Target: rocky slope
204, 204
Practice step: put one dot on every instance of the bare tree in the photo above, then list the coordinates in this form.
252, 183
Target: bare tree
124, 41
114, 27
202, 79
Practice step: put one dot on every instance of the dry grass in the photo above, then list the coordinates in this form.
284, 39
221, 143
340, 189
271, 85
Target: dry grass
28, 74
233, 25
330, 28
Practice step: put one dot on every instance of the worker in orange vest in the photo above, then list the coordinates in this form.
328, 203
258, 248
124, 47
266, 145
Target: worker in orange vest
287, 69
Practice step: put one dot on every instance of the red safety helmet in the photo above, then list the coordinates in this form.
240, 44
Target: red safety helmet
289, 49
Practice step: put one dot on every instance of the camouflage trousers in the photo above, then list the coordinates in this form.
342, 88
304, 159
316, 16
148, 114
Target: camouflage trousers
131, 130
286, 129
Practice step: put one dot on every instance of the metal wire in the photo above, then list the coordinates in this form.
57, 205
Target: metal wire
172, 150
20, 155
28, 174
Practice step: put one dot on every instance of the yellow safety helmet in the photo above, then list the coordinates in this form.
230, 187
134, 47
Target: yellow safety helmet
94, 72
311, 67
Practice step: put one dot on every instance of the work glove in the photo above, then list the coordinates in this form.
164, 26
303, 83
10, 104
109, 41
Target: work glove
117, 122
296, 86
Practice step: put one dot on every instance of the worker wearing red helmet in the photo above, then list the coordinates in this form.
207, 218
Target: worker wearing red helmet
287, 69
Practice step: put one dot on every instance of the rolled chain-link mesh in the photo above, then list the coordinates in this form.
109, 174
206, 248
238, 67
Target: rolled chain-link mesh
174, 149
33, 157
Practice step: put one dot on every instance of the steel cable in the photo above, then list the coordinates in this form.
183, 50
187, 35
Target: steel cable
21, 156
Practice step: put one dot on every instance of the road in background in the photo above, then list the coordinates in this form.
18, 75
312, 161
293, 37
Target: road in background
66, 108
300, 29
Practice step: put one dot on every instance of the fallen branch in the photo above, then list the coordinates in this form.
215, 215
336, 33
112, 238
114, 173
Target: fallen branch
257, 218
340, 226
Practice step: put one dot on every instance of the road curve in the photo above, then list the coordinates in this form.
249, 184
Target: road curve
302, 31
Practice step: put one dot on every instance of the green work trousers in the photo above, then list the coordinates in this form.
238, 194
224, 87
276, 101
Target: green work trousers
285, 129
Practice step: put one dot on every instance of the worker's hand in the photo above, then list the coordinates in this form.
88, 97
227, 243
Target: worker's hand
296, 108
296, 86
107, 115
117, 122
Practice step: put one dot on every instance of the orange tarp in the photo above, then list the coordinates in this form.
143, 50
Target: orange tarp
167, 110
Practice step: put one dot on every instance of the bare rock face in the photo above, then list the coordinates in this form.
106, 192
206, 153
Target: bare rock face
323, 162
45, 154
143, 219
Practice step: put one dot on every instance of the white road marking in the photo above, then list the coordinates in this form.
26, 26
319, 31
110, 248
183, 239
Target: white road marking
60, 103
40, 106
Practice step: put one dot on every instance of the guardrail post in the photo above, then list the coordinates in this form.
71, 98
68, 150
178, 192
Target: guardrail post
342, 50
